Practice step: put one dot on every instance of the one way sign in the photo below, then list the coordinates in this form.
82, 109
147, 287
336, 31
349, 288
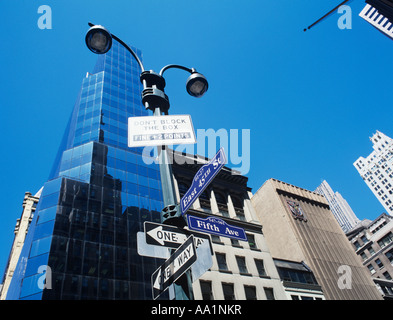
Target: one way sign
174, 267
170, 236
163, 235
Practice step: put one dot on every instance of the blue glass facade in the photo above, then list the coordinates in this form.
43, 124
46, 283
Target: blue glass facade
97, 197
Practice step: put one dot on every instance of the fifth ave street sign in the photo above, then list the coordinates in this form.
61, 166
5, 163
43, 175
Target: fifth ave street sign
202, 178
160, 130
174, 267
216, 226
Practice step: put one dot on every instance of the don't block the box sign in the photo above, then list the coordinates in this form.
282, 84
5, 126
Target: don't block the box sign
160, 130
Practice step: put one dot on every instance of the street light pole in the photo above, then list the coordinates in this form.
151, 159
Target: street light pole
99, 41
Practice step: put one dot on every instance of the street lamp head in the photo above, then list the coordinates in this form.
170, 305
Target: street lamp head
196, 85
98, 39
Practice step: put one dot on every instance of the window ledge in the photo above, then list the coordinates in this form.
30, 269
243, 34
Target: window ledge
224, 271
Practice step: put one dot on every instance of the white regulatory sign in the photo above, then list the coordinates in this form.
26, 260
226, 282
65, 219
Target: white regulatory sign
160, 130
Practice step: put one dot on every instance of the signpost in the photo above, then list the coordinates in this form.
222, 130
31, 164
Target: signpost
170, 237
178, 263
202, 179
216, 226
160, 130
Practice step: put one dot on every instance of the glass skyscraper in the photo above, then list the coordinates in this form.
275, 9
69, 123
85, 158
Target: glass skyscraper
83, 235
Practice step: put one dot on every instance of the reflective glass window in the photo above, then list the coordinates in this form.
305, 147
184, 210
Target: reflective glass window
132, 200
44, 230
156, 205
34, 264
67, 155
31, 284
143, 181
40, 246
51, 187
49, 201
155, 194
77, 152
154, 184
37, 296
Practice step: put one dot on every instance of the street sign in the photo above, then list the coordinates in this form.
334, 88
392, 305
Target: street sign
202, 179
216, 226
178, 263
203, 249
160, 130
204, 261
170, 236
148, 250
163, 235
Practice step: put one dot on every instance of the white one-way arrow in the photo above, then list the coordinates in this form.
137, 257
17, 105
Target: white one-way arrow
162, 236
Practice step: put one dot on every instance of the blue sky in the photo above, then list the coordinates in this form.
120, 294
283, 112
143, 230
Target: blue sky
310, 99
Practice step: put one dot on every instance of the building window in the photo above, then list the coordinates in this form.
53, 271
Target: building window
229, 293
241, 263
183, 188
206, 289
240, 214
269, 293
371, 268
389, 255
204, 200
387, 275
238, 205
260, 267
379, 263
235, 243
215, 239
222, 204
251, 241
222, 262
386, 240
251, 292
296, 276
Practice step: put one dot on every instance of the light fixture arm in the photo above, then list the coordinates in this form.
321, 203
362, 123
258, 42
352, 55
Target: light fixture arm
169, 66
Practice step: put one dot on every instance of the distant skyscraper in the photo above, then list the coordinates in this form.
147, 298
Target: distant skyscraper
339, 206
379, 13
377, 170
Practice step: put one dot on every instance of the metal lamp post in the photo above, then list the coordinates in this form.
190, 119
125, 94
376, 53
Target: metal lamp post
99, 40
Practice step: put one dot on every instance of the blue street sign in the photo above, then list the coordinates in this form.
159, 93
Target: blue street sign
216, 226
202, 179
